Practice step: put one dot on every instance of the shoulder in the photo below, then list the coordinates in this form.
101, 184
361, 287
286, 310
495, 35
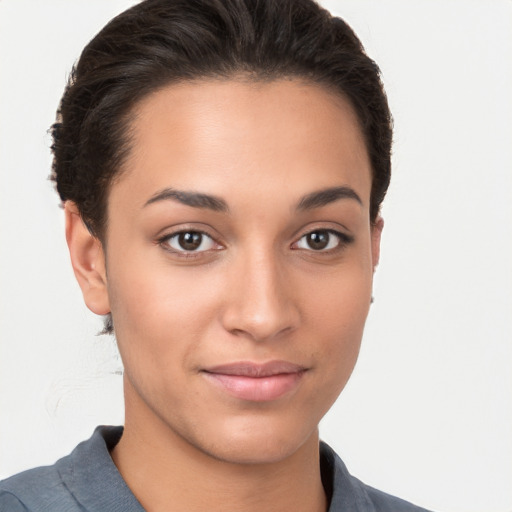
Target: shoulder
349, 493
38, 489
69, 484
383, 502
9, 503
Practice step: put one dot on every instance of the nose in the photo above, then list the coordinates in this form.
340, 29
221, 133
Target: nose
260, 303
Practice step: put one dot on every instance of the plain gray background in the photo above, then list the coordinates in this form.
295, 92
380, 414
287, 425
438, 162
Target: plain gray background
428, 412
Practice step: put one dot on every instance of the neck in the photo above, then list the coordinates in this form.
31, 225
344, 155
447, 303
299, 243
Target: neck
165, 471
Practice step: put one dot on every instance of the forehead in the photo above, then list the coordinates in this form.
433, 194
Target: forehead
224, 136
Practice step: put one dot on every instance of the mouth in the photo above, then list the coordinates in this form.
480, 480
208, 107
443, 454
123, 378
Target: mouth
256, 382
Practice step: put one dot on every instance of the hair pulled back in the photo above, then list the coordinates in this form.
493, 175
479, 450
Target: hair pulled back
158, 42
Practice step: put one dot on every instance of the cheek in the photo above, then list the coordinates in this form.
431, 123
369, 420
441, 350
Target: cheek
156, 307
339, 301
160, 316
341, 322
337, 318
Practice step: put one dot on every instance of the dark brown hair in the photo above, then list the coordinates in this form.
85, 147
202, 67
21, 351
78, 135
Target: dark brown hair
158, 42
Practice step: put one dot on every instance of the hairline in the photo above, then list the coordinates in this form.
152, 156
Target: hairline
241, 76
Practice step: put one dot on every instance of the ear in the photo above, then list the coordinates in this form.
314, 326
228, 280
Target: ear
88, 261
376, 235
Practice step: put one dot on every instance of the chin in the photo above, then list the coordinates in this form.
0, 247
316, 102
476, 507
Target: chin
253, 452
251, 443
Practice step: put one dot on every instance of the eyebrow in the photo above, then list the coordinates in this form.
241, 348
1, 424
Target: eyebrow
326, 196
194, 199
310, 201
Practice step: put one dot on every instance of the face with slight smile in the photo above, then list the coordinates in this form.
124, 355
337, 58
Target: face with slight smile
239, 263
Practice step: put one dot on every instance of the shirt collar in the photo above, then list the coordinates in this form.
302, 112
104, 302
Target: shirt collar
92, 477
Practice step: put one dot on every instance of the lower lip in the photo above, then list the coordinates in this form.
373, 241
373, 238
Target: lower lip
256, 389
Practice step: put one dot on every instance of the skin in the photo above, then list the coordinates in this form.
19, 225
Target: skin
258, 292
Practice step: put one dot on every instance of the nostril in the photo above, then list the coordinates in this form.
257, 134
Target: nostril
259, 326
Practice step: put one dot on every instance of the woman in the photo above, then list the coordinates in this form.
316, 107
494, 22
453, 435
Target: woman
222, 167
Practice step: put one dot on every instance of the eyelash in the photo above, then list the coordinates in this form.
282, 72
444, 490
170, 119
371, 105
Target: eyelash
164, 243
343, 241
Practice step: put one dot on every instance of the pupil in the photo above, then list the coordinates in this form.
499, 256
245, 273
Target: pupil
318, 239
190, 241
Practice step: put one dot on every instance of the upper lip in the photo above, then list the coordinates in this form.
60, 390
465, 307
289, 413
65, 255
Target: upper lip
251, 369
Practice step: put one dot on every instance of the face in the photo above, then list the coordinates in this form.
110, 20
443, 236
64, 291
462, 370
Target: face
239, 263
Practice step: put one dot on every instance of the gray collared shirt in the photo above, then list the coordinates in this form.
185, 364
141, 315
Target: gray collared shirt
87, 480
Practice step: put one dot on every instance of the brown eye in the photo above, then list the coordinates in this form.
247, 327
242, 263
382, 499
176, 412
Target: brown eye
318, 240
190, 241
323, 240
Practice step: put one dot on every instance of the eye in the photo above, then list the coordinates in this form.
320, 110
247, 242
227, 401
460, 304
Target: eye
322, 240
189, 241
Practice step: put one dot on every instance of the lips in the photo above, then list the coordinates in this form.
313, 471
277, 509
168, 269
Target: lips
256, 382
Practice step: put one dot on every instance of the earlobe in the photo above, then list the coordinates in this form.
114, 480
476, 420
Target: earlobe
376, 236
88, 261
